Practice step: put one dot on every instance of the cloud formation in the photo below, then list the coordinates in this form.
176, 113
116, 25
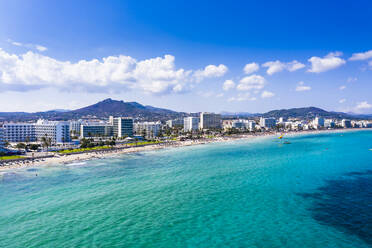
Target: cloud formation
363, 106
342, 100
342, 87
210, 71
302, 87
40, 48
251, 82
158, 75
278, 66
361, 56
267, 94
329, 62
250, 68
228, 84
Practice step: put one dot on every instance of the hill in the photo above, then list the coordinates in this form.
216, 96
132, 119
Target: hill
101, 109
306, 113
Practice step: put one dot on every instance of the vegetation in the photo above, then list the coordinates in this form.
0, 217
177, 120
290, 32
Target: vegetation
10, 157
85, 149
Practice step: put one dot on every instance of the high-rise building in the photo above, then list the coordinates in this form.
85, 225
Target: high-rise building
75, 127
210, 120
346, 123
56, 131
123, 126
318, 122
267, 122
19, 132
2, 140
329, 123
190, 124
96, 130
149, 130
175, 123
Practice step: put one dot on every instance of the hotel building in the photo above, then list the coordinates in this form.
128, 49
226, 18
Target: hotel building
96, 130
346, 123
19, 132
210, 120
149, 130
57, 131
267, 122
190, 124
123, 126
2, 140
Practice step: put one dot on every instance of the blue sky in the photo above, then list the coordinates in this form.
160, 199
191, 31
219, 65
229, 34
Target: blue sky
240, 56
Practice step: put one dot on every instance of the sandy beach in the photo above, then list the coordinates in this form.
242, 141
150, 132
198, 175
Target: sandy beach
65, 159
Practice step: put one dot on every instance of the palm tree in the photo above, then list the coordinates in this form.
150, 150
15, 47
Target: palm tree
46, 141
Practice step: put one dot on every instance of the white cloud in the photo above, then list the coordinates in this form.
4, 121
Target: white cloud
342, 87
302, 87
242, 97
210, 71
220, 95
40, 48
114, 73
329, 62
351, 79
251, 82
278, 66
267, 94
370, 64
228, 84
342, 100
250, 68
363, 106
361, 56
294, 66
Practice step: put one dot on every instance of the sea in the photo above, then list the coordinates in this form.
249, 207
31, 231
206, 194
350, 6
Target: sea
308, 190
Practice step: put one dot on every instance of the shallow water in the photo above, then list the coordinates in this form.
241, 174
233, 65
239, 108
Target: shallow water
314, 192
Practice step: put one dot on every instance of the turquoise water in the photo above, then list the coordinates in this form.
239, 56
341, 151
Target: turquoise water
314, 192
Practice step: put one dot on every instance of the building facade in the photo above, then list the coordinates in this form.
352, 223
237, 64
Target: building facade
175, 123
346, 123
96, 130
210, 120
19, 132
57, 131
148, 130
2, 139
123, 126
267, 122
190, 124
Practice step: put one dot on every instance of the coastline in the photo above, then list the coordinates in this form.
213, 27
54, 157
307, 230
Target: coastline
67, 159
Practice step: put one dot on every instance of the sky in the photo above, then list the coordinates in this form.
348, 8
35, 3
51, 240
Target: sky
236, 56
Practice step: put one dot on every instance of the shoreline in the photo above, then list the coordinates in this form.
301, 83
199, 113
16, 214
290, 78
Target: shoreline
67, 159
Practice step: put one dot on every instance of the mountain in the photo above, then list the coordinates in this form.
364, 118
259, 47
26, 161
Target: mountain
136, 110
109, 107
101, 109
306, 113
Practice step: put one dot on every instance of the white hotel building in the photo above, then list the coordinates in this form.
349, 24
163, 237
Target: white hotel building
19, 132
190, 124
2, 140
57, 131
148, 130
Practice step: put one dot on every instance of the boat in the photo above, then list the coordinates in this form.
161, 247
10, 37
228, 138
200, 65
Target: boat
286, 142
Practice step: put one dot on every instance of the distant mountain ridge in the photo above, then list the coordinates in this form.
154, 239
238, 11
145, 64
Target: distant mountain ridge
102, 109
107, 107
306, 113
